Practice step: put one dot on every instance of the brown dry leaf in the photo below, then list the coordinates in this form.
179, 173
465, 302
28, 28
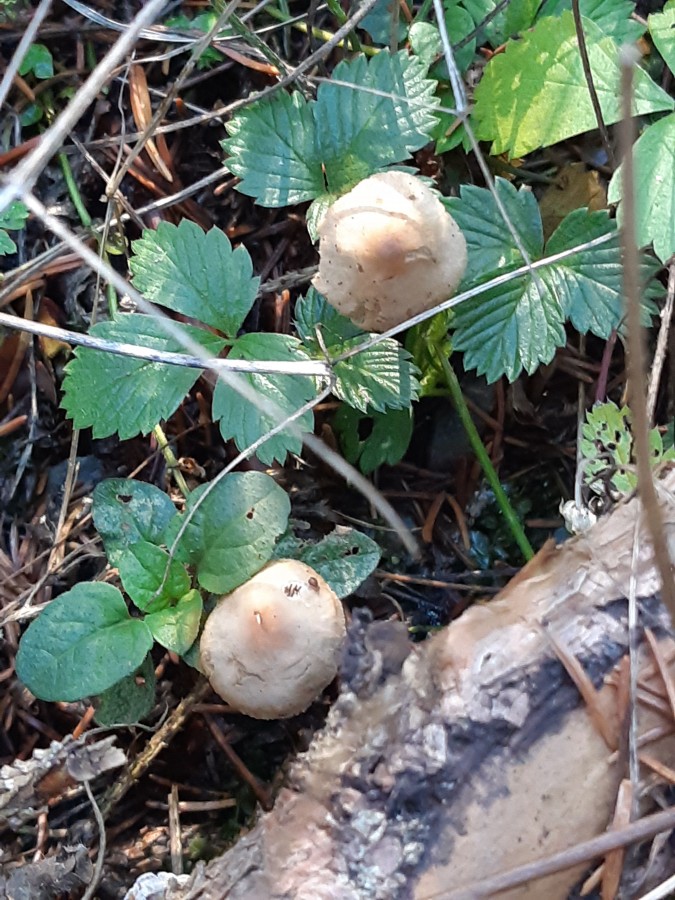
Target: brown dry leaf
574, 187
49, 315
141, 107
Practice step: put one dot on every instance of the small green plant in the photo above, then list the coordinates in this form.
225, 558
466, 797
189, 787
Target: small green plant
373, 113
87, 642
12, 219
37, 65
607, 451
200, 276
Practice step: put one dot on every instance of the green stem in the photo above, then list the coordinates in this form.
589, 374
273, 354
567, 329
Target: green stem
74, 191
170, 459
336, 10
321, 34
482, 456
423, 12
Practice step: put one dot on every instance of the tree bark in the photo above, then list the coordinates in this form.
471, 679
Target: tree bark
464, 756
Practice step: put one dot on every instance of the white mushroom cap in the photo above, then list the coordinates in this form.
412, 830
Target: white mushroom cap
271, 646
388, 250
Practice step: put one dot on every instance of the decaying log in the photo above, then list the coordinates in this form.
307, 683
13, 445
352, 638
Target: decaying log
473, 752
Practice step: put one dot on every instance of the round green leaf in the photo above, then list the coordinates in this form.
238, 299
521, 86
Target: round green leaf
231, 534
142, 568
126, 512
81, 644
130, 700
177, 627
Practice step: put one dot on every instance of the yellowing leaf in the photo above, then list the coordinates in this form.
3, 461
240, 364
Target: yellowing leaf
535, 93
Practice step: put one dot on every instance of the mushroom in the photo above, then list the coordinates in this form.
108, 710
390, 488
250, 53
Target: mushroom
271, 646
388, 250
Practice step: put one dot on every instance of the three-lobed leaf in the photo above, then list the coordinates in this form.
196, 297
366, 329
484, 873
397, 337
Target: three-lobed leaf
124, 394
520, 324
195, 273
81, 644
371, 113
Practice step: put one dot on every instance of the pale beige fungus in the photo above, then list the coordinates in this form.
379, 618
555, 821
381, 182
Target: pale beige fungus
389, 250
271, 646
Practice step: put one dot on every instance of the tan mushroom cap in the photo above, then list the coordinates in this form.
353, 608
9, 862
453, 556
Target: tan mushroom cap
388, 250
271, 646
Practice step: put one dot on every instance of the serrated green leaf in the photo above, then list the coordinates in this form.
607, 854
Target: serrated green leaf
144, 567
195, 273
613, 17
130, 700
232, 533
662, 31
607, 449
425, 41
177, 627
654, 163
358, 132
387, 442
37, 60
520, 324
271, 147
589, 284
314, 311
286, 150
126, 512
244, 423
81, 644
122, 394
382, 377
490, 245
510, 328
542, 73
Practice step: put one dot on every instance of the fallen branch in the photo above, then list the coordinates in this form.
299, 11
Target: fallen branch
474, 753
